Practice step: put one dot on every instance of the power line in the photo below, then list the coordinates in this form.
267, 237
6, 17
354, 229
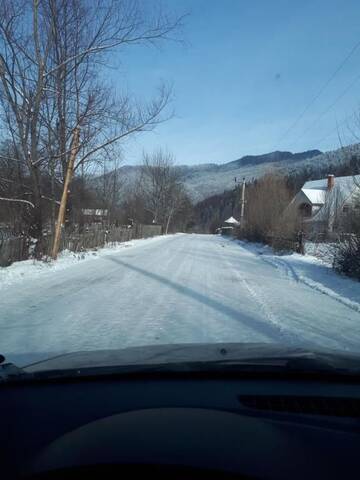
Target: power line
324, 112
334, 130
319, 93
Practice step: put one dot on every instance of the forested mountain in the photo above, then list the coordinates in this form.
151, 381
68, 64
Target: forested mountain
204, 180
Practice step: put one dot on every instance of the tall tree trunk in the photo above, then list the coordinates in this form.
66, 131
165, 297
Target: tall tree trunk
168, 222
36, 226
53, 194
75, 145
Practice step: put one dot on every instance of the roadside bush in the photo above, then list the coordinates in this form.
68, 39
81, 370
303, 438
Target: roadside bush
283, 245
347, 257
266, 216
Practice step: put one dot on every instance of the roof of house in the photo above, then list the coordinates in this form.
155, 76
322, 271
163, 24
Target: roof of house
343, 190
316, 190
232, 220
315, 196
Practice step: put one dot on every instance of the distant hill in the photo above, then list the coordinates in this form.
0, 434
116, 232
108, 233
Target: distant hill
271, 158
209, 179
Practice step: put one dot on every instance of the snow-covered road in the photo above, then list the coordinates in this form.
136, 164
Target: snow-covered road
174, 289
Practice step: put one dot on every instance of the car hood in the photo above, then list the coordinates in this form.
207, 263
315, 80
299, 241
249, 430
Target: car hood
187, 354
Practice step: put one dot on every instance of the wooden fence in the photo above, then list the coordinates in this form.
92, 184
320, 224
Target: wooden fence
13, 249
20, 248
320, 245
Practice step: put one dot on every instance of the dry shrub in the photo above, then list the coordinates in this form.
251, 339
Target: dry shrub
347, 257
266, 217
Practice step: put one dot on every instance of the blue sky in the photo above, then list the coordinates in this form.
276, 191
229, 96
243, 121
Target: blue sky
245, 73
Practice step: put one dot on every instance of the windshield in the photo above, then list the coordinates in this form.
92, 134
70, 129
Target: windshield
179, 172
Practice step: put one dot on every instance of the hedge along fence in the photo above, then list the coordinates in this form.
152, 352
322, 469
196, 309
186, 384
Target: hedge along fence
287, 244
20, 248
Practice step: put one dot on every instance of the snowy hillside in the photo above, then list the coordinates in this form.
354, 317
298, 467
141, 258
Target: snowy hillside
203, 183
205, 180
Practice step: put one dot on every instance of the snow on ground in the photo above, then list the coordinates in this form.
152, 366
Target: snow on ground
323, 251
314, 271
177, 289
29, 269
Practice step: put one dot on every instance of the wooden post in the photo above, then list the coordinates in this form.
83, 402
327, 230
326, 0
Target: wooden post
301, 244
75, 146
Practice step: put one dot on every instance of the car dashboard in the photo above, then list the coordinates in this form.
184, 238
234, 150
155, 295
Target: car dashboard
180, 426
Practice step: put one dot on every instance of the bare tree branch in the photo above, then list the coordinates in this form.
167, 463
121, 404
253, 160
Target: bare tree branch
17, 200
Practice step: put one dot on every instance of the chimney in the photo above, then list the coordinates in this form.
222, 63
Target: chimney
330, 182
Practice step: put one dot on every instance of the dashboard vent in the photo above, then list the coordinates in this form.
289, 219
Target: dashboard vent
335, 407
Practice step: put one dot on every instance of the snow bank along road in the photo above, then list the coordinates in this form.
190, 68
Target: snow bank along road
174, 289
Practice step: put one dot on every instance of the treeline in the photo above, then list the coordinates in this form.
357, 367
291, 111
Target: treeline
157, 196
347, 164
210, 213
17, 210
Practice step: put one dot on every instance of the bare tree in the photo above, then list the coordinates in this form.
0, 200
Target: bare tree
156, 181
161, 186
178, 201
51, 85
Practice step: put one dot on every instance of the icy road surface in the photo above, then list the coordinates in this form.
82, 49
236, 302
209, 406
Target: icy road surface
175, 289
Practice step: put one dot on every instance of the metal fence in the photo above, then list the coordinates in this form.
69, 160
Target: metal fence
20, 248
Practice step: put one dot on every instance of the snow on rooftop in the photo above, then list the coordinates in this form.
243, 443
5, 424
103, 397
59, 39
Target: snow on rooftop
315, 190
232, 220
315, 196
316, 184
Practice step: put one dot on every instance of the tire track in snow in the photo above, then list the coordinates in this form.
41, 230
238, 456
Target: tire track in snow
281, 263
288, 272
264, 305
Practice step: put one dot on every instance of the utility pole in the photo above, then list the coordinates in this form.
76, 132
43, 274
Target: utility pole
242, 204
233, 203
75, 146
